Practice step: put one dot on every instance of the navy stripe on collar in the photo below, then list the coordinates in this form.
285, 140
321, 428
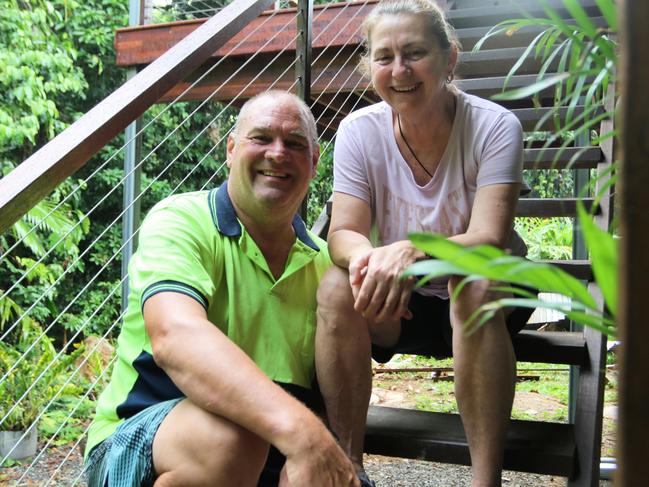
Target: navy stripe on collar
226, 221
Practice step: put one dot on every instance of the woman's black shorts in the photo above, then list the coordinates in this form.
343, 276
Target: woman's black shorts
429, 332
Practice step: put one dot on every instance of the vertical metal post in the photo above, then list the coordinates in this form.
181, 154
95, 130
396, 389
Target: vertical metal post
132, 153
303, 64
579, 251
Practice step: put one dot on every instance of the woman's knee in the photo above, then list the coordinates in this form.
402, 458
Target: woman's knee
471, 297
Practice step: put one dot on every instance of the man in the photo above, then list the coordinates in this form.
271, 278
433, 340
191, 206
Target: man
218, 339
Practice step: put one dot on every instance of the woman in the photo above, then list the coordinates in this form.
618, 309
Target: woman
427, 158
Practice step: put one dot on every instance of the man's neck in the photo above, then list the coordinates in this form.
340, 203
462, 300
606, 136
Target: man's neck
274, 237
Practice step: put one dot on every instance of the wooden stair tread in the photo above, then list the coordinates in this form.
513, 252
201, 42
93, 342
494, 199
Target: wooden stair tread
546, 448
552, 158
550, 347
550, 207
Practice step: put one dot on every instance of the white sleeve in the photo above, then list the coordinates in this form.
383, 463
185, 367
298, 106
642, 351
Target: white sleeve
350, 168
501, 157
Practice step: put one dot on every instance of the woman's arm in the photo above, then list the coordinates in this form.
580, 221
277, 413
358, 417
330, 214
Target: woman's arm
492, 216
374, 273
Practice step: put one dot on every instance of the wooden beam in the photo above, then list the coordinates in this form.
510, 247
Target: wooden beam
541, 447
334, 25
550, 207
32, 180
333, 71
632, 445
585, 158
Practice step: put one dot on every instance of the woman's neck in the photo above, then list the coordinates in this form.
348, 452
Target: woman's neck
428, 128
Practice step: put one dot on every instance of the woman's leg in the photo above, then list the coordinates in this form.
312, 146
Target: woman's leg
343, 360
485, 370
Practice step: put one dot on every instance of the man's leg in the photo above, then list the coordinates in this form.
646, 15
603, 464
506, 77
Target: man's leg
343, 360
193, 447
485, 370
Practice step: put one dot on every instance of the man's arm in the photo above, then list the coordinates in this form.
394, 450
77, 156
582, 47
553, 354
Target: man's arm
219, 377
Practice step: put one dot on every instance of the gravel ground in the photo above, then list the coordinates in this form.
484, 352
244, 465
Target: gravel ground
397, 472
385, 471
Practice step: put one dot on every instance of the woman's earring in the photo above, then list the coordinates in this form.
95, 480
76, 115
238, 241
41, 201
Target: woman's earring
449, 78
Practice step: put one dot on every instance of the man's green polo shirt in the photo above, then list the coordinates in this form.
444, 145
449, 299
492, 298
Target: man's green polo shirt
194, 244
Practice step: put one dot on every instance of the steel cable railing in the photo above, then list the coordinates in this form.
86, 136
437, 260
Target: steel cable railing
117, 219
112, 292
119, 216
119, 151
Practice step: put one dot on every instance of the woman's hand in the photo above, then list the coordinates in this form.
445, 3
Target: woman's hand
380, 293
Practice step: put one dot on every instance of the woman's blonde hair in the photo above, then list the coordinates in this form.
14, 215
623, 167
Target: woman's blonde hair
439, 27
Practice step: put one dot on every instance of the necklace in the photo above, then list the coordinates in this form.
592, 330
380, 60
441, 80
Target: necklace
410, 148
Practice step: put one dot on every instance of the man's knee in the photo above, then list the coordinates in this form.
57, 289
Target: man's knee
334, 290
194, 443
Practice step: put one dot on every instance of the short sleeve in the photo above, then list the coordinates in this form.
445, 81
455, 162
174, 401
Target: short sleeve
177, 252
350, 171
501, 157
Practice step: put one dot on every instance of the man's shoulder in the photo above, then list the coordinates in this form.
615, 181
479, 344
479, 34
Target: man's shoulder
321, 243
192, 209
184, 201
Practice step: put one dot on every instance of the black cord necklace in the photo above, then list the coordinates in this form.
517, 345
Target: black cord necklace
408, 145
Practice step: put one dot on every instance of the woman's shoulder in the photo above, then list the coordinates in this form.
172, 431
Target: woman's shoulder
479, 113
475, 105
377, 113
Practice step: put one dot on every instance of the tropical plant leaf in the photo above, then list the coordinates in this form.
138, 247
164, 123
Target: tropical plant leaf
609, 11
572, 311
532, 89
494, 264
581, 17
603, 251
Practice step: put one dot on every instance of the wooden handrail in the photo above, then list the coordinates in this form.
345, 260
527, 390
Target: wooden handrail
32, 180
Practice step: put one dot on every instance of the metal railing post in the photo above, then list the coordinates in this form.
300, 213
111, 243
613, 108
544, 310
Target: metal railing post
303, 63
579, 251
132, 156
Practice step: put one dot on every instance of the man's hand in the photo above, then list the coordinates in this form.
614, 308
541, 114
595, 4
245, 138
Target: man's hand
380, 293
321, 463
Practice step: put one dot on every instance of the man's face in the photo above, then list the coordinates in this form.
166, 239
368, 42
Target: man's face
271, 160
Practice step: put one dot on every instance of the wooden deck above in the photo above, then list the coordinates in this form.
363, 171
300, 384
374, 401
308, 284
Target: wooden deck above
262, 55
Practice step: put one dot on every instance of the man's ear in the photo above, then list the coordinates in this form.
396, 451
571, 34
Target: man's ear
230, 149
315, 157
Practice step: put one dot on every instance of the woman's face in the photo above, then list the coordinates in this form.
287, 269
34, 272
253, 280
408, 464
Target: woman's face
408, 68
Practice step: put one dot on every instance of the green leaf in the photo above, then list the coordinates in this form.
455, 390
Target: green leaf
581, 17
532, 89
603, 251
609, 11
494, 264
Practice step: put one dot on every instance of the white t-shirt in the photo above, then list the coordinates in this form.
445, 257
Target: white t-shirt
485, 147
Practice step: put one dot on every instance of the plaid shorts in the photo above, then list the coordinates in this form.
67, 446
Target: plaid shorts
125, 458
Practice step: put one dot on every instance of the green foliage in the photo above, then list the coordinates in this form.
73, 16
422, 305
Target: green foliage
546, 238
32, 377
67, 420
320, 188
487, 262
584, 59
38, 69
